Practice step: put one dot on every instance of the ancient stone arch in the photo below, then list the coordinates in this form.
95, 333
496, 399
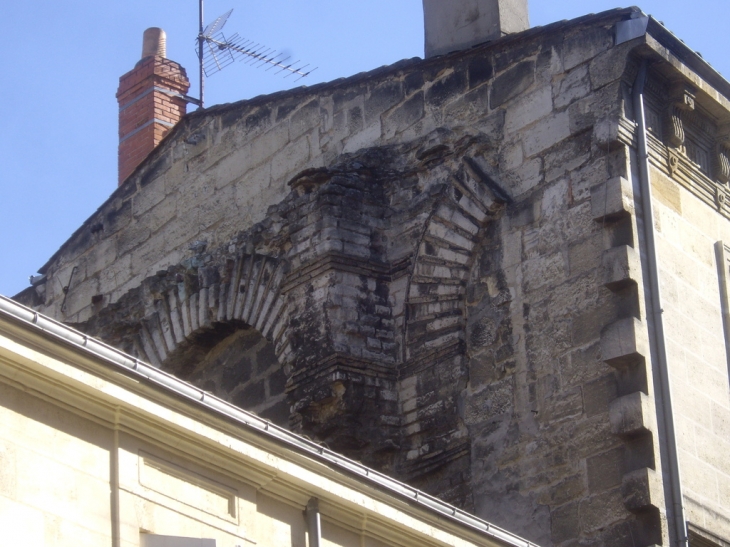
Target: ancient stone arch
249, 293
435, 368
350, 297
228, 337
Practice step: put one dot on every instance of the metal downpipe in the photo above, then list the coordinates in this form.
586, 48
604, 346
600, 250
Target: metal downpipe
314, 524
656, 311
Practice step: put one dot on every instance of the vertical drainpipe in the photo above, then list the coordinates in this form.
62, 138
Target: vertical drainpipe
659, 343
314, 526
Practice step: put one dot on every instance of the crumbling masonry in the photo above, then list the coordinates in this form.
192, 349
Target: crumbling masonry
439, 268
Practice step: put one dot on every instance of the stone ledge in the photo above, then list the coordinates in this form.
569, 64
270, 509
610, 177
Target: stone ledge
642, 490
612, 200
621, 267
624, 343
630, 415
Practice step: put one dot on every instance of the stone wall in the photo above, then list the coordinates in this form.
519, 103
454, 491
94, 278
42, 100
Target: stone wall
442, 259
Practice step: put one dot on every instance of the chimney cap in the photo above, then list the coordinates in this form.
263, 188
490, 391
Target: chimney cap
154, 42
453, 25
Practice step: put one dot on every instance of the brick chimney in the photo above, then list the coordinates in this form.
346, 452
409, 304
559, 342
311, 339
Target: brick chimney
150, 102
452, 25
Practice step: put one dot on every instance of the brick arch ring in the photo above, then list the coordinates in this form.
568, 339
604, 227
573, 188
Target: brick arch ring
248, 293
444, 258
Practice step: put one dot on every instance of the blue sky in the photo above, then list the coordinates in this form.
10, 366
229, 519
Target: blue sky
61, 62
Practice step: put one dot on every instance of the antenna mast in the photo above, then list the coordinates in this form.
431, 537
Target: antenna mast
215, 52
201, 41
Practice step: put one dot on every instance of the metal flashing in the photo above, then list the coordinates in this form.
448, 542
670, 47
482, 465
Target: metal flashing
631, 28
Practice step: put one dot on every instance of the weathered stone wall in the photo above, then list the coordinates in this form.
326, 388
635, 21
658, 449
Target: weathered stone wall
443, 261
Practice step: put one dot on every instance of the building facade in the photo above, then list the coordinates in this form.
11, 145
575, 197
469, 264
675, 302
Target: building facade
100, 449
498, 274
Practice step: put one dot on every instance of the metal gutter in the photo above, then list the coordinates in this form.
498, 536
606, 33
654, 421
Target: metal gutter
118, 359
656, 312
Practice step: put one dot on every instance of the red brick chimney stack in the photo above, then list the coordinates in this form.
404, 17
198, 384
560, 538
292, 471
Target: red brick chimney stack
151, 102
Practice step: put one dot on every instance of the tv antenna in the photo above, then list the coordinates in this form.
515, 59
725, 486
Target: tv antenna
216, 51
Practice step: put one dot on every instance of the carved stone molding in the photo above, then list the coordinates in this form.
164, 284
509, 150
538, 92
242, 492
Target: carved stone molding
672, 161
720, 198
681, 100
722, 154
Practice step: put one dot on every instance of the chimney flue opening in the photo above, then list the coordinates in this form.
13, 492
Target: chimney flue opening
154, 42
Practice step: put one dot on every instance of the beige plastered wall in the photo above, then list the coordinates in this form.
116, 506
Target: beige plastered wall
687, 230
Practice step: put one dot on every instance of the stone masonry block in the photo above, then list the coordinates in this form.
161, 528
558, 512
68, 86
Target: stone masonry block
529, 109
612, 199
583, 46
546, 133
642, 490
609, 65
624, 343
605, 470
631, 414
404, 116
610, 132
621, 267
512, 82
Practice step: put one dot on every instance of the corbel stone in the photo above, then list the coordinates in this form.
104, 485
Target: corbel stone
631, 414
681, 100
624, 343
612, 132
621, 267
613, 199
641, 490
722, 154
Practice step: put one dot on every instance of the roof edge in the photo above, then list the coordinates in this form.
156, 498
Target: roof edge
663, 35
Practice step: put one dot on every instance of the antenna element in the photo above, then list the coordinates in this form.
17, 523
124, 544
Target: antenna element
215, 52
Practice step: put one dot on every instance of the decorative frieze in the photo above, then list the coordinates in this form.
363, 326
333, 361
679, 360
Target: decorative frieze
722, 154
681, 100
693, 146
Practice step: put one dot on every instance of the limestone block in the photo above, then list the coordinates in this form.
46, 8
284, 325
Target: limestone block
600, 511
574, 86
529, 109
605, 471
382, 97
621, 267
404, 116
631, 414
609, 66
447, 89
511, 83
547, 133
565, 522
305, 119
624, 343
469, 107
612, 199
610, 133
641, 489
585, 45
267, 144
